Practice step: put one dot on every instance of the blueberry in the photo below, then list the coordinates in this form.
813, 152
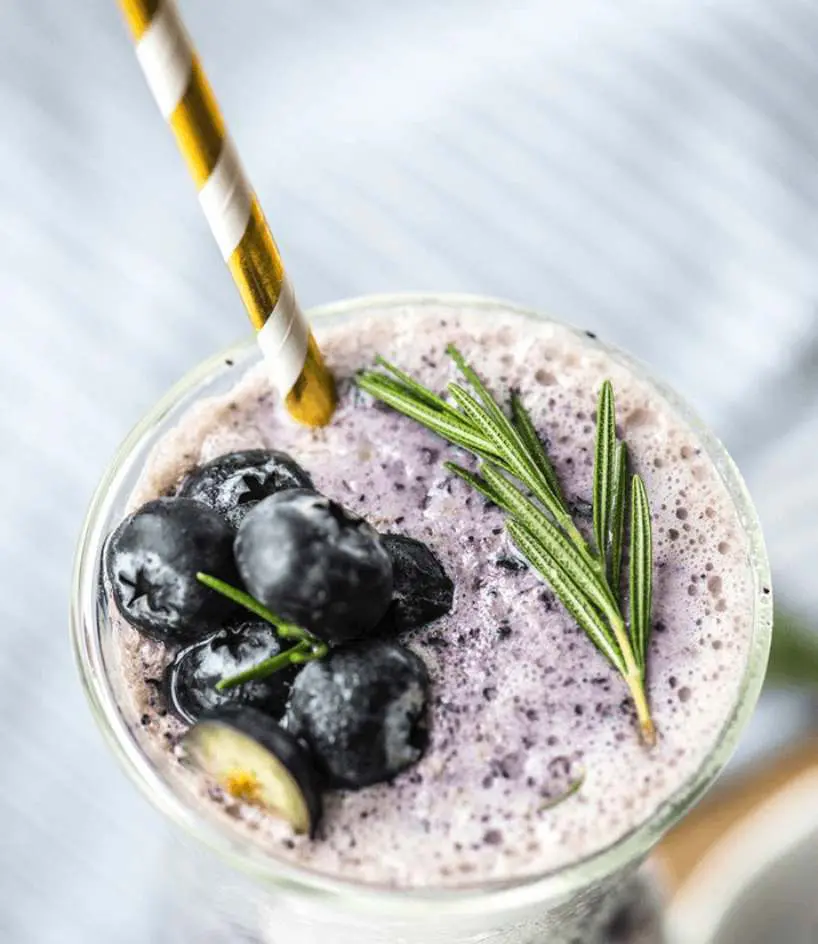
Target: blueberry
315, 564
236, 482
192, 676
256, 761
151, 561
422, 591
362, 710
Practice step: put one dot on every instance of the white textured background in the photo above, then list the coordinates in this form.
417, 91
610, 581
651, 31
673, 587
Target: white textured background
646, 169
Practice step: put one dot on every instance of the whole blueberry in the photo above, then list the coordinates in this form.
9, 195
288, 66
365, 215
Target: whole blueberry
234, 483
421, 590
362, 710
192, 676
315, 564
152, 559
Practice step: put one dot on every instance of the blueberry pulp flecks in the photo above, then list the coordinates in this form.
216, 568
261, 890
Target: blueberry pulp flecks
315, 564
362, 711
235, 483
256, 761
152, 559
511, 563
580, 508
190, 680
421, 589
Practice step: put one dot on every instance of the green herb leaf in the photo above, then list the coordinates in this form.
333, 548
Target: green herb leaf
473, 378
641, 570
306, 649
458, 432
604, 468
533, 443
508, 440
502, 435
283, 629
794, 652
408, 382
569, 791
570, 594
617, 533
552, 541
301, 652
262, 669
478, 483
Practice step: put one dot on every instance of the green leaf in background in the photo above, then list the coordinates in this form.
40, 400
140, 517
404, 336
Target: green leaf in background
794, 653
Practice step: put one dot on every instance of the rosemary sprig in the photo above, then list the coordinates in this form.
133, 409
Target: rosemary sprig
306, 649
515, 472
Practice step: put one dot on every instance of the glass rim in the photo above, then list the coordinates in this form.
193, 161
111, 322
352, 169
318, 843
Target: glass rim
250, 857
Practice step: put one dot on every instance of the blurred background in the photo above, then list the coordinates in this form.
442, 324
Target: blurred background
648, 170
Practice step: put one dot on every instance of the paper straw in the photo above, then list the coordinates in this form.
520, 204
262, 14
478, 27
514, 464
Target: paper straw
186, 101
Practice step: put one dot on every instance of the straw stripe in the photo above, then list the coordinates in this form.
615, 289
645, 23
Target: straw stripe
259, 281
312, 400
226, 200
138, 15
186, 101
198, 126
166, 57
283, 338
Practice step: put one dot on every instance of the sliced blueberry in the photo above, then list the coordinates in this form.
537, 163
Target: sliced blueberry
234, 483
256, 761
192, 676
152, 560
315, 564
362, 710
421, 591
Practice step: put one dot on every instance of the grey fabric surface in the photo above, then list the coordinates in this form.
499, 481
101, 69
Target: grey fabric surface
646, 169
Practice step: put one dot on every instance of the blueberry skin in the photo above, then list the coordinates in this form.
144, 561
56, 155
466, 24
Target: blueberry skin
190, 680
421, 591
315, 564
362, 711
234, 483
152, 559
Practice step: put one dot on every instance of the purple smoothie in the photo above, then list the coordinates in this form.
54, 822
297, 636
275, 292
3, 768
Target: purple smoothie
522, 704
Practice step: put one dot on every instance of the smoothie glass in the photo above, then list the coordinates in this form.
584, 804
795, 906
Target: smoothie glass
222, 887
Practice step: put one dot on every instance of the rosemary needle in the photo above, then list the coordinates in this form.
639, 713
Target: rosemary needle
306, 648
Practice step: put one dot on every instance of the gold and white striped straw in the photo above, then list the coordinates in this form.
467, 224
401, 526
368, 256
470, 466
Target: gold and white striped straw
186, 101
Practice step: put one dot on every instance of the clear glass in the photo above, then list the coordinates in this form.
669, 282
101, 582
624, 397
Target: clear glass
242, 889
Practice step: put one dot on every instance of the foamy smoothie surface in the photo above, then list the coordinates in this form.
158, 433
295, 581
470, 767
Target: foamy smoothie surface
521, 703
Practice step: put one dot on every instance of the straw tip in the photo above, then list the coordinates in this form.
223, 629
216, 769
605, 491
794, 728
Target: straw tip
313, 399
315, 405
